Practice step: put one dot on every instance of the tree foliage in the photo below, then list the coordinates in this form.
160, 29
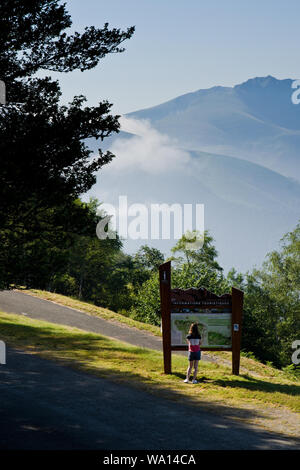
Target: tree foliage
33, 37
273, 303
45, 162
205, 254
198, 268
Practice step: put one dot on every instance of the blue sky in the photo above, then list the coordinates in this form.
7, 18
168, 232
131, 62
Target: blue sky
182, 46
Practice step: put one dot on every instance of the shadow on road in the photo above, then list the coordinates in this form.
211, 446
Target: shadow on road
48, 405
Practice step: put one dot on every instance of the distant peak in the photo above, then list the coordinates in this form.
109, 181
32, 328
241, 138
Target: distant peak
263, 82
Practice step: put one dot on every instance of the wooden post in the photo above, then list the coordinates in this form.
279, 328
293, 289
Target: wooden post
237, 311
165, 302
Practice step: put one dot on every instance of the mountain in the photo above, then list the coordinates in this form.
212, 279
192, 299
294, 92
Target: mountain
235, 150
255, 121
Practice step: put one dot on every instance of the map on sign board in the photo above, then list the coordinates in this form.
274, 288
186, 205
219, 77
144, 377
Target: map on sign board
215, 328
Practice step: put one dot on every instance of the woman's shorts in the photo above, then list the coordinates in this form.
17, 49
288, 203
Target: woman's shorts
194, 356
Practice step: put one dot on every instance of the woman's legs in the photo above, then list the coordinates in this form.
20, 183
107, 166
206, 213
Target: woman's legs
196, 363
189, 369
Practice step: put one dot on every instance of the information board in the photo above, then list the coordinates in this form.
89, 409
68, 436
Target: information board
219, 318
214, 328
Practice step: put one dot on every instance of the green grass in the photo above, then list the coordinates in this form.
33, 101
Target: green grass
248, 364
92, 309
143, 368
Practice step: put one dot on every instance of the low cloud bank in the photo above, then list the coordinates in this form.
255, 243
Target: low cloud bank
147, 150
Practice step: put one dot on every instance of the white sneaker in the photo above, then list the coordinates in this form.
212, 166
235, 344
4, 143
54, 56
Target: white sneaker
186, 381
195, 381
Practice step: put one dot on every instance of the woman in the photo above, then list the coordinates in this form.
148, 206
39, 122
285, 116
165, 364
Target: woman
194, 342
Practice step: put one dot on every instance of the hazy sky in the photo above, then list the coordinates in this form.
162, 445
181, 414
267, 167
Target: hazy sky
181, 46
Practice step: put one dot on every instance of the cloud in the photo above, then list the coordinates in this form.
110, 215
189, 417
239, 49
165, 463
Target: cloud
147, 150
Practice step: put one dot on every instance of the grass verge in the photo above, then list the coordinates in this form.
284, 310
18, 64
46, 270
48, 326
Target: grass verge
142, 367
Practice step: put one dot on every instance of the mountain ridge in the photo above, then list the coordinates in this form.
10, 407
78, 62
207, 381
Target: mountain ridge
255, 120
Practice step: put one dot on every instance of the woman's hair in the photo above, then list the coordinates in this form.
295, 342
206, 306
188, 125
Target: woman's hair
194, 330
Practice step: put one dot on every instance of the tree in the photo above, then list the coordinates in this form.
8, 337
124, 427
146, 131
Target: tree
272, 303
236, 279
42, 144
190, 272
146, 302
144, 263
205, 254
34, 252
33, 37
280, 277
260, 316
148, 257
45, 162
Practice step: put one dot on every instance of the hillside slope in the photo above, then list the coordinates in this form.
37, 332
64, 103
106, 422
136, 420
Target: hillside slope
248, 208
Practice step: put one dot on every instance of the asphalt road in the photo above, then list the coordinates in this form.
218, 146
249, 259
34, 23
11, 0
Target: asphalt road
33, 307
25, 304
48, 406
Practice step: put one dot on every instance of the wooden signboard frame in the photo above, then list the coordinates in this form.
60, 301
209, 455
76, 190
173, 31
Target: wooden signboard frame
195, 298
